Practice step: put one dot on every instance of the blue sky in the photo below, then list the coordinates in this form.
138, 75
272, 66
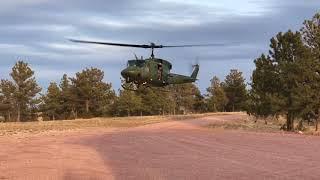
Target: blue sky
36, 31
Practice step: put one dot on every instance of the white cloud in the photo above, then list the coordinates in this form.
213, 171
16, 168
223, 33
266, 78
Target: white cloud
39, 27
108, 22
167, 21
24, 50
68, 47
227, 7
11, 5
195, 13
150, 21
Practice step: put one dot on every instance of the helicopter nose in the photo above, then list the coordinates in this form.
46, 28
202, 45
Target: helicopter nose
127, 73
124, 73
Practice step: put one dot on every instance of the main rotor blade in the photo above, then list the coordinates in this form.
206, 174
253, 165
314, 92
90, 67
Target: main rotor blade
112, 44
195, 45
151, 45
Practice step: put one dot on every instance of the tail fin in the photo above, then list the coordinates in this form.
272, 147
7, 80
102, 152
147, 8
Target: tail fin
195, 71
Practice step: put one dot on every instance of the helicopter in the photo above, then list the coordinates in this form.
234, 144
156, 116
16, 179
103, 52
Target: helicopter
152, 71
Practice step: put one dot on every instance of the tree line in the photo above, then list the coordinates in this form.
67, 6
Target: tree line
87, 95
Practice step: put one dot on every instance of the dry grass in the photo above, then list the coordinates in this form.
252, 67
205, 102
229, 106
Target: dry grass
249, 124
127, 122
117, 122
311, 130
273, 125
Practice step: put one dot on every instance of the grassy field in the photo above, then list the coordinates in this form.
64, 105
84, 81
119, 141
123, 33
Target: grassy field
62, 125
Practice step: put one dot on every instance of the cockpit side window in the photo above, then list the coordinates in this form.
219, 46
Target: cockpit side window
137, 63
131, 63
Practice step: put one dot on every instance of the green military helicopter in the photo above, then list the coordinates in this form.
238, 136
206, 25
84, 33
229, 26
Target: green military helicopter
151, 72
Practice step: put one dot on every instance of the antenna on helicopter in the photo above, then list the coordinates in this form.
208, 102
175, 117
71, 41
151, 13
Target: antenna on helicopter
136, 56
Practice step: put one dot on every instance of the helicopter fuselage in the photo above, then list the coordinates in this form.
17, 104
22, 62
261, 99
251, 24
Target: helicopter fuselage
154, 72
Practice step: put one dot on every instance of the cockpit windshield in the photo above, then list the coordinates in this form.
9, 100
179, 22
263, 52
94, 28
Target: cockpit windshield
138, 63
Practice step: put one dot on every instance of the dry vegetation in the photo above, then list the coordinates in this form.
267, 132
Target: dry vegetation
252, 124
116, 122
248, 124
245, 124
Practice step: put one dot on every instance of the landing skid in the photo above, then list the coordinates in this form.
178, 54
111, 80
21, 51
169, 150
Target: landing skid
159, 89
133, 87
141, 87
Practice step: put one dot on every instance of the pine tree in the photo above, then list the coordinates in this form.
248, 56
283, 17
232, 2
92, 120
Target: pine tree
52, 105
199, 105
311, 36
235, 89
291, 57
69, 99
184, 97
7, 89
263, 97
217, 99
24, 89
152, 101
128, 103
91, 90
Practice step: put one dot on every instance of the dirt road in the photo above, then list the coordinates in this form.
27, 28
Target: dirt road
171, 150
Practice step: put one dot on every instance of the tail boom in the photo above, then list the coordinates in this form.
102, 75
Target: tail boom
195, 72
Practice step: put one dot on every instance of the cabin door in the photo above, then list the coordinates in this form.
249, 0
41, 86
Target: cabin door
160, 72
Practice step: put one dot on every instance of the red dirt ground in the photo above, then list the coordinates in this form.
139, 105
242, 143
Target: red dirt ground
171, 150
